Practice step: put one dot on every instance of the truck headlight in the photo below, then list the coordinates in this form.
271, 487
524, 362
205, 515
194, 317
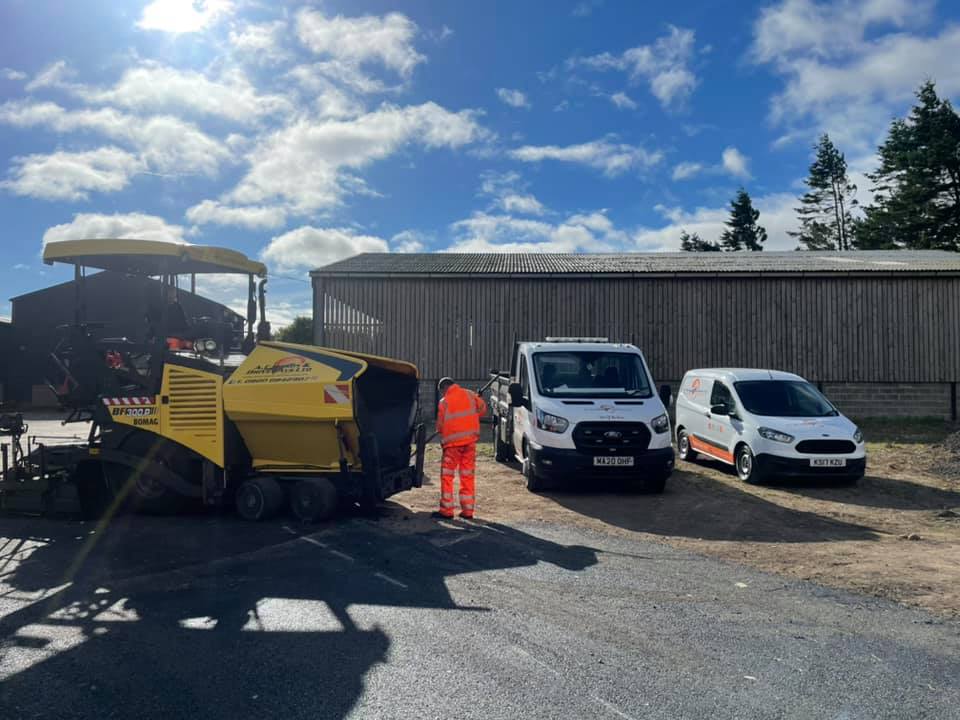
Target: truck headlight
771, 434
857, 436
660, 424
551, 423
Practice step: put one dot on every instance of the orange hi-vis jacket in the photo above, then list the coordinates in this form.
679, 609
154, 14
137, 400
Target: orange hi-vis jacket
458, 417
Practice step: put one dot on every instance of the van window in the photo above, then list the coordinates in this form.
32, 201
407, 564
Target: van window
524, 377
721, 395
783, 398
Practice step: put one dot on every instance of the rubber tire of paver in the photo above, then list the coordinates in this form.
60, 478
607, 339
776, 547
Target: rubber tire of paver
259, 498
313, 499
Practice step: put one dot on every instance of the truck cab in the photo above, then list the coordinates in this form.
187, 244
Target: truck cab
584, 408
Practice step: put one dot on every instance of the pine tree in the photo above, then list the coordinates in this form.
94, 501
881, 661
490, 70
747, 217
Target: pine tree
743, 232
825, 219
692, 242
917, 186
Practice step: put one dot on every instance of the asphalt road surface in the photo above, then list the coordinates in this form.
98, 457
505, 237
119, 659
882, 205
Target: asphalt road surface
406, 617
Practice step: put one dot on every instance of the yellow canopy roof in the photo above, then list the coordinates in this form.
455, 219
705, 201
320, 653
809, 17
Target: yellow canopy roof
150, 257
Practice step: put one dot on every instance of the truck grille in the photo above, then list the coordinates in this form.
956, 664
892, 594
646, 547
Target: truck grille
826, 447
611, 438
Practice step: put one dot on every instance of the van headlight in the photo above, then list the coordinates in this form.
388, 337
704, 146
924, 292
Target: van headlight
551, 423
660, 424
776, 435
857, 436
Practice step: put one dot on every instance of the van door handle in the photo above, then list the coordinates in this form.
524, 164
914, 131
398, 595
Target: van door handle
707, 414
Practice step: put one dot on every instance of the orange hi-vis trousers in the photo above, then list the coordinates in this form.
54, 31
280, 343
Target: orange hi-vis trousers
464, 459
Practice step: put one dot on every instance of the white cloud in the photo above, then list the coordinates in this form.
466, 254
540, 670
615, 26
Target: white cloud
664, 65
845, 72
11, 74
686, 170
777, 215
71, 175
407, 241
311, 163
509, 194
54, 75
183, 16
260, 43
167, 144
319, 76
513, 98
387, 40
623, 101
828, 29
735, 162
252, 217
585, 8
132, 226
152, 87
306, 248
612, 158
523, 204
485, 232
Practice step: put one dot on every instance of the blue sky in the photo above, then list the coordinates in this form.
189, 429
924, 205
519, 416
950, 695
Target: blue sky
301, 133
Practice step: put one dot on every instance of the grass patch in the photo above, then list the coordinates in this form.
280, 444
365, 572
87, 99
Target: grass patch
924, 430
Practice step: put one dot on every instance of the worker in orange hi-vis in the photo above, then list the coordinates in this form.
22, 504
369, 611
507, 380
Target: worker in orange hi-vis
458, 424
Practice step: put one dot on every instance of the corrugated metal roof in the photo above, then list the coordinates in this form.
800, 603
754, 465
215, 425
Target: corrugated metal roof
909, 261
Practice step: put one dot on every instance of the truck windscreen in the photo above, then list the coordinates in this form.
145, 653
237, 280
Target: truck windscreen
591, 374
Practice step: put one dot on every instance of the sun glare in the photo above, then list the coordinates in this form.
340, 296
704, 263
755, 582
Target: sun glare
182, 16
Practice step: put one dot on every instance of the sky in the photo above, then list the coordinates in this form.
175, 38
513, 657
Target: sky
300, 133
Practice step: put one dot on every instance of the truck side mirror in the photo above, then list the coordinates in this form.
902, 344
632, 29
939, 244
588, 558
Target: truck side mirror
516, 394
665, 395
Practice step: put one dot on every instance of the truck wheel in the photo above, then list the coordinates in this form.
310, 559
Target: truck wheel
746, 465
314, 499
535, 483
259, 498
683, 447
501, 450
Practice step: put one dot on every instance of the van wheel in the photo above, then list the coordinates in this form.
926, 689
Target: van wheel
535, 483
684, 450
501, 450
746, 465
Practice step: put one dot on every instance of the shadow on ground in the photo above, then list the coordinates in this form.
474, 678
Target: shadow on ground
213, 617
876, 491
699, 506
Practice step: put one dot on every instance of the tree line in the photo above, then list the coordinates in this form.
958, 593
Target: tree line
915, 194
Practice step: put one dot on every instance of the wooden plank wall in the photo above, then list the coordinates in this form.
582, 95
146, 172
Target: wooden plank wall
830, 329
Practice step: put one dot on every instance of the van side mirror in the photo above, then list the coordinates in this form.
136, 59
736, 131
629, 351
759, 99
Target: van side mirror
665, 395
720, 409
516, 394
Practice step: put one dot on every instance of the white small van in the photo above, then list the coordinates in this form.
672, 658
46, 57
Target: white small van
766, 423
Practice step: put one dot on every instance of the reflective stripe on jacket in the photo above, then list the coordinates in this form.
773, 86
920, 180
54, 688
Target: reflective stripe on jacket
458, 417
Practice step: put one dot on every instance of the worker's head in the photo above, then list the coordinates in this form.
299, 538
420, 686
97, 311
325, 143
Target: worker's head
444, 385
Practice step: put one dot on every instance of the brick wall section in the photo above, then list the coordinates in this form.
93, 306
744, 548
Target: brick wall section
862, 400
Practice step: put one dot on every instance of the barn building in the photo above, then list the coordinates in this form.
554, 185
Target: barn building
878, 331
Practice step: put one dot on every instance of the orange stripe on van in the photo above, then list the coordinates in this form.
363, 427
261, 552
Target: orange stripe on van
701, 447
